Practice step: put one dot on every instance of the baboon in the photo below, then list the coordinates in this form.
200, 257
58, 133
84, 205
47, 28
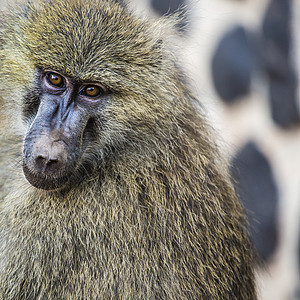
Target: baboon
112, 186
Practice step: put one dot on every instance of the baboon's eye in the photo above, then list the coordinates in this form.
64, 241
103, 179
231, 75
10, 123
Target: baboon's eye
55, 80
93, 91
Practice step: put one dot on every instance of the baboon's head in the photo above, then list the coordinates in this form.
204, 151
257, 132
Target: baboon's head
90, 80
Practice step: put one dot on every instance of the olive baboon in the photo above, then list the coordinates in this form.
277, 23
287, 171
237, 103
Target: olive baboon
111, 185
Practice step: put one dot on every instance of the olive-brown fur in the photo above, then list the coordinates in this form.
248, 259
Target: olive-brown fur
154, 216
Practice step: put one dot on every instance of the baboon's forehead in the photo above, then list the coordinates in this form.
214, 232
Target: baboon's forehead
83, 38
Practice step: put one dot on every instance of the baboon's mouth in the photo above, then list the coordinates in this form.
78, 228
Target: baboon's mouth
45, 182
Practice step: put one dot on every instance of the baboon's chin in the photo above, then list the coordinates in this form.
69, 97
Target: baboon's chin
48, 183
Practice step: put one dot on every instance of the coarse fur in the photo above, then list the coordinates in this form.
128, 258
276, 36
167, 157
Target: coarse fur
150, 213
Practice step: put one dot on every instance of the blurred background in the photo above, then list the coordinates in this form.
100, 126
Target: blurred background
243, 58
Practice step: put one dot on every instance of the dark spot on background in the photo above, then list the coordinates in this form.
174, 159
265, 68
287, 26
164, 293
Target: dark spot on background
167, 7
258, 192
276, 44
283, 100
276, 25
232, 65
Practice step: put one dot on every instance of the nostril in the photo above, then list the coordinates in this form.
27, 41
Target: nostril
43, 163
40, 162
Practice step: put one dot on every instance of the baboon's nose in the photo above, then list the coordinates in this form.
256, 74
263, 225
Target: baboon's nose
49, 160
49, 156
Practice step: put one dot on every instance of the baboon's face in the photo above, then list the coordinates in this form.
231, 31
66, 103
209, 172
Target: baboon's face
96, 81
64, 112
